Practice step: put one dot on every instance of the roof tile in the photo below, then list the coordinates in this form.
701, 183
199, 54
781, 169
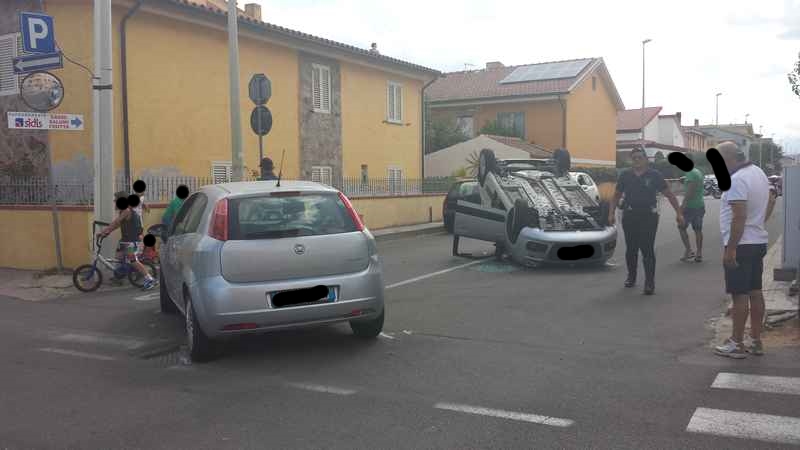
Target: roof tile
631, 119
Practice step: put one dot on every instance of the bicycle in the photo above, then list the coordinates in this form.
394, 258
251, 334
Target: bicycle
89, 277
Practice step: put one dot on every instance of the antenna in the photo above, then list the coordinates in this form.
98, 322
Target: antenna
280, 169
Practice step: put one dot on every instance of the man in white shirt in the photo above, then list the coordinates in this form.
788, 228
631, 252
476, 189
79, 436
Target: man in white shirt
744, 209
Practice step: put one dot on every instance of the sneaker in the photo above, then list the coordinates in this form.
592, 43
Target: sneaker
149, 284
630, 282
688, 257
755, 347
731, 349
649, 288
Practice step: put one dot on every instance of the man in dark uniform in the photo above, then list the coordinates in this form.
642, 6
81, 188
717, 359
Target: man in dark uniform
640, 186
267, 170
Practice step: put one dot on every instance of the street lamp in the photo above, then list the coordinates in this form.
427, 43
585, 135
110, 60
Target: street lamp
745, 118
643, 44
718, 94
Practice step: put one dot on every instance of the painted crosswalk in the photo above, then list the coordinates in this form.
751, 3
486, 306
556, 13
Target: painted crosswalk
749, 425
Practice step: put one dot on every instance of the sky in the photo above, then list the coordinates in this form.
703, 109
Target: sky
741, 48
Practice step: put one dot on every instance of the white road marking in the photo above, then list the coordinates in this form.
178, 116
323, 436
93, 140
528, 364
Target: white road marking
762, 427
757, 383
74, 353
118, 341
147, 297
387, 336
511, 415
321, 388
433, 274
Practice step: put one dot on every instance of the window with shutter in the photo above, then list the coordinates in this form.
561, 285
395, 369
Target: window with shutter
513, 122
321, 88
322, 174
9, 49
395, 179
221, 172
394, 102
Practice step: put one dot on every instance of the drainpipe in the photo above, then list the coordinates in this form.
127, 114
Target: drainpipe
123, 52
425, 124
563, 103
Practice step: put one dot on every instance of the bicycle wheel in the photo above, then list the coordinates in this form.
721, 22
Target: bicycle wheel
87, 278
136, 278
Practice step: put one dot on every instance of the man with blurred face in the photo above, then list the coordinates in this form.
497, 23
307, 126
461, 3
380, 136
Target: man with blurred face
745, 208
640, 185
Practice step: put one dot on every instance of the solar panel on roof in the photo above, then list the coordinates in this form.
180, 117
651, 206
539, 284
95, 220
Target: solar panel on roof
547, 71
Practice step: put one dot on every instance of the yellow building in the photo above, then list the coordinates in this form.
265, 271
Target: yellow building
564, 104
337, 110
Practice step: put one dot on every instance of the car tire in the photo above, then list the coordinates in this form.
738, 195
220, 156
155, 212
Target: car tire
520, 216
200, 346
167, 305
486, 163
368, 328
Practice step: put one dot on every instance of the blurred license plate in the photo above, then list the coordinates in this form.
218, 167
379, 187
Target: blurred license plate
296, 297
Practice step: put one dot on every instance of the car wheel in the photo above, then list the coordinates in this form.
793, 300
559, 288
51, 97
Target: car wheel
520, 216
200, 346
486, 163
368, 328
167, 306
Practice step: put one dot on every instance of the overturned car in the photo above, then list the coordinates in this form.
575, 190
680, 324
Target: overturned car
536, 213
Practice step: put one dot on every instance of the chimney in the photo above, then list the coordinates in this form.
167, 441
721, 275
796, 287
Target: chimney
494, 65
678, 116
374, 48
696, 123
253, 10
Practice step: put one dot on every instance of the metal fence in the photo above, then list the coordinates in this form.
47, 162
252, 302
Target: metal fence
73, 191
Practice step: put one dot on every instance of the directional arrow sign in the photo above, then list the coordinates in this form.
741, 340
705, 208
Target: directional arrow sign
38, 63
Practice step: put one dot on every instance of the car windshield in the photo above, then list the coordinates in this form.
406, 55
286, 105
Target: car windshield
271, 217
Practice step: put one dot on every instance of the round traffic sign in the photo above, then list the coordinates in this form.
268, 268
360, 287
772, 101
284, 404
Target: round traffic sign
261, 120
260, 89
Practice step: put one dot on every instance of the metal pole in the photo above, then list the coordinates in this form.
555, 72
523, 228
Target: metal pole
716, 121
642, 116
52, 194
260, 139
233, 66
103, 110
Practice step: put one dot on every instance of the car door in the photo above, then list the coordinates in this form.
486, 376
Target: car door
188, 240
169, 260
476, 221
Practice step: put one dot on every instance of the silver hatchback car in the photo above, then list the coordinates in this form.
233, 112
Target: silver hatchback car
251, 257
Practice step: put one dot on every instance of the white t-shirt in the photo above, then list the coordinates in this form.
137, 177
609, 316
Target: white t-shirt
751, 185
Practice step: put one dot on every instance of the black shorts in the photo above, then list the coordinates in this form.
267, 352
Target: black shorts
693, 217
746, 276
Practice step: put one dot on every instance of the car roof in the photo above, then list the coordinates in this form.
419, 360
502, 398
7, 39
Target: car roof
266, 187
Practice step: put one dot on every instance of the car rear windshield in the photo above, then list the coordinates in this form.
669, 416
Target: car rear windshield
275, 217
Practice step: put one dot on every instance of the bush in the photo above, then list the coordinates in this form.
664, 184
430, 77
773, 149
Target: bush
443, 134
495, 129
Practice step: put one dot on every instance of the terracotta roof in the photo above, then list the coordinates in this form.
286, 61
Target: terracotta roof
485, 83
625, 144
210, 6
631, 119
536, 151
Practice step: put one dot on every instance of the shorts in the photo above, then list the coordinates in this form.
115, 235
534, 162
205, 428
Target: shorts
693, 217
132, 250
746, 276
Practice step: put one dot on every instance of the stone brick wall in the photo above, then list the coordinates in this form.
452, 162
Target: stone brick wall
320, 133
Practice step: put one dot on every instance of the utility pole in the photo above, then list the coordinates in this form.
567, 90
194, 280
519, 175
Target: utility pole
643, 44
716, 121
236, 112
103, 114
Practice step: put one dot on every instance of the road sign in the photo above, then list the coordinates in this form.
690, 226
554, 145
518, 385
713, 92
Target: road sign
38, 34
261, 120
44, 121
38, 63
260, 89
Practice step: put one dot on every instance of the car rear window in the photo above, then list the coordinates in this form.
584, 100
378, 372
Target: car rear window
275, 217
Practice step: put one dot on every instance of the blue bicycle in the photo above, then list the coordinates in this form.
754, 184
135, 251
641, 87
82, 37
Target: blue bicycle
89, 277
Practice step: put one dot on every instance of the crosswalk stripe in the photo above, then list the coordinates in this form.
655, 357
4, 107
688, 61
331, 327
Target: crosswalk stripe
62, 351
100, 339
745, 425
511, 415
321, 388
757, 383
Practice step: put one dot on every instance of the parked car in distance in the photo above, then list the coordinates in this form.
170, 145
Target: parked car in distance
468, 190
587, 184
250, 257
776, 181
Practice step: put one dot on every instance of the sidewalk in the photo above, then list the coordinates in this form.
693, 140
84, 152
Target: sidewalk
32, 285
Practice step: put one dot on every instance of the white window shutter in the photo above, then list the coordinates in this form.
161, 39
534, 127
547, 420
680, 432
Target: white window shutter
9, 82
321, 88
326, 89
221, 172
398, 101
390, 102
315, 88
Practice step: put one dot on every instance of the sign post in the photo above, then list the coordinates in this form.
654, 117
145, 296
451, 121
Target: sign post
260, 91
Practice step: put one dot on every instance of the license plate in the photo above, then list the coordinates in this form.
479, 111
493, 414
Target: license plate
304, 296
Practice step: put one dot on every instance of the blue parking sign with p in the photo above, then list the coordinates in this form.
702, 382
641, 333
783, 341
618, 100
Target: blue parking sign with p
38, 34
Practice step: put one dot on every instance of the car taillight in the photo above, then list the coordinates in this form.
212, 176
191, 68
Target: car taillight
219, 221
352, 211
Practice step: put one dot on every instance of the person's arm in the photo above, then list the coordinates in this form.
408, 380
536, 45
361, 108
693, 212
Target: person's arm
773, 196
674, 202
612, 207
739, 210
115, 223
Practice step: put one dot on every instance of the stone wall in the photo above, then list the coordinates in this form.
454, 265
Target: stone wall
320, 133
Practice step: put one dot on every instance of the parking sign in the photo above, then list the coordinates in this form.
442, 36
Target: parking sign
38, 34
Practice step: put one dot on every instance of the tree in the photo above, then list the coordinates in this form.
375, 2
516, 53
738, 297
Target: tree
495, 129
794, 77
444, 133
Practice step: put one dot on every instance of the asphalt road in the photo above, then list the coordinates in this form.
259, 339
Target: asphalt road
475, 354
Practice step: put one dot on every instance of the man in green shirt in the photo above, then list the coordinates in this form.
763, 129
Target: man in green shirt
694, 209
172, 210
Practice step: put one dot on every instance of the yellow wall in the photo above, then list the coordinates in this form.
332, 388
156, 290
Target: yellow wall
29, 242
366, 138
380, 213
542, 119
592, 122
